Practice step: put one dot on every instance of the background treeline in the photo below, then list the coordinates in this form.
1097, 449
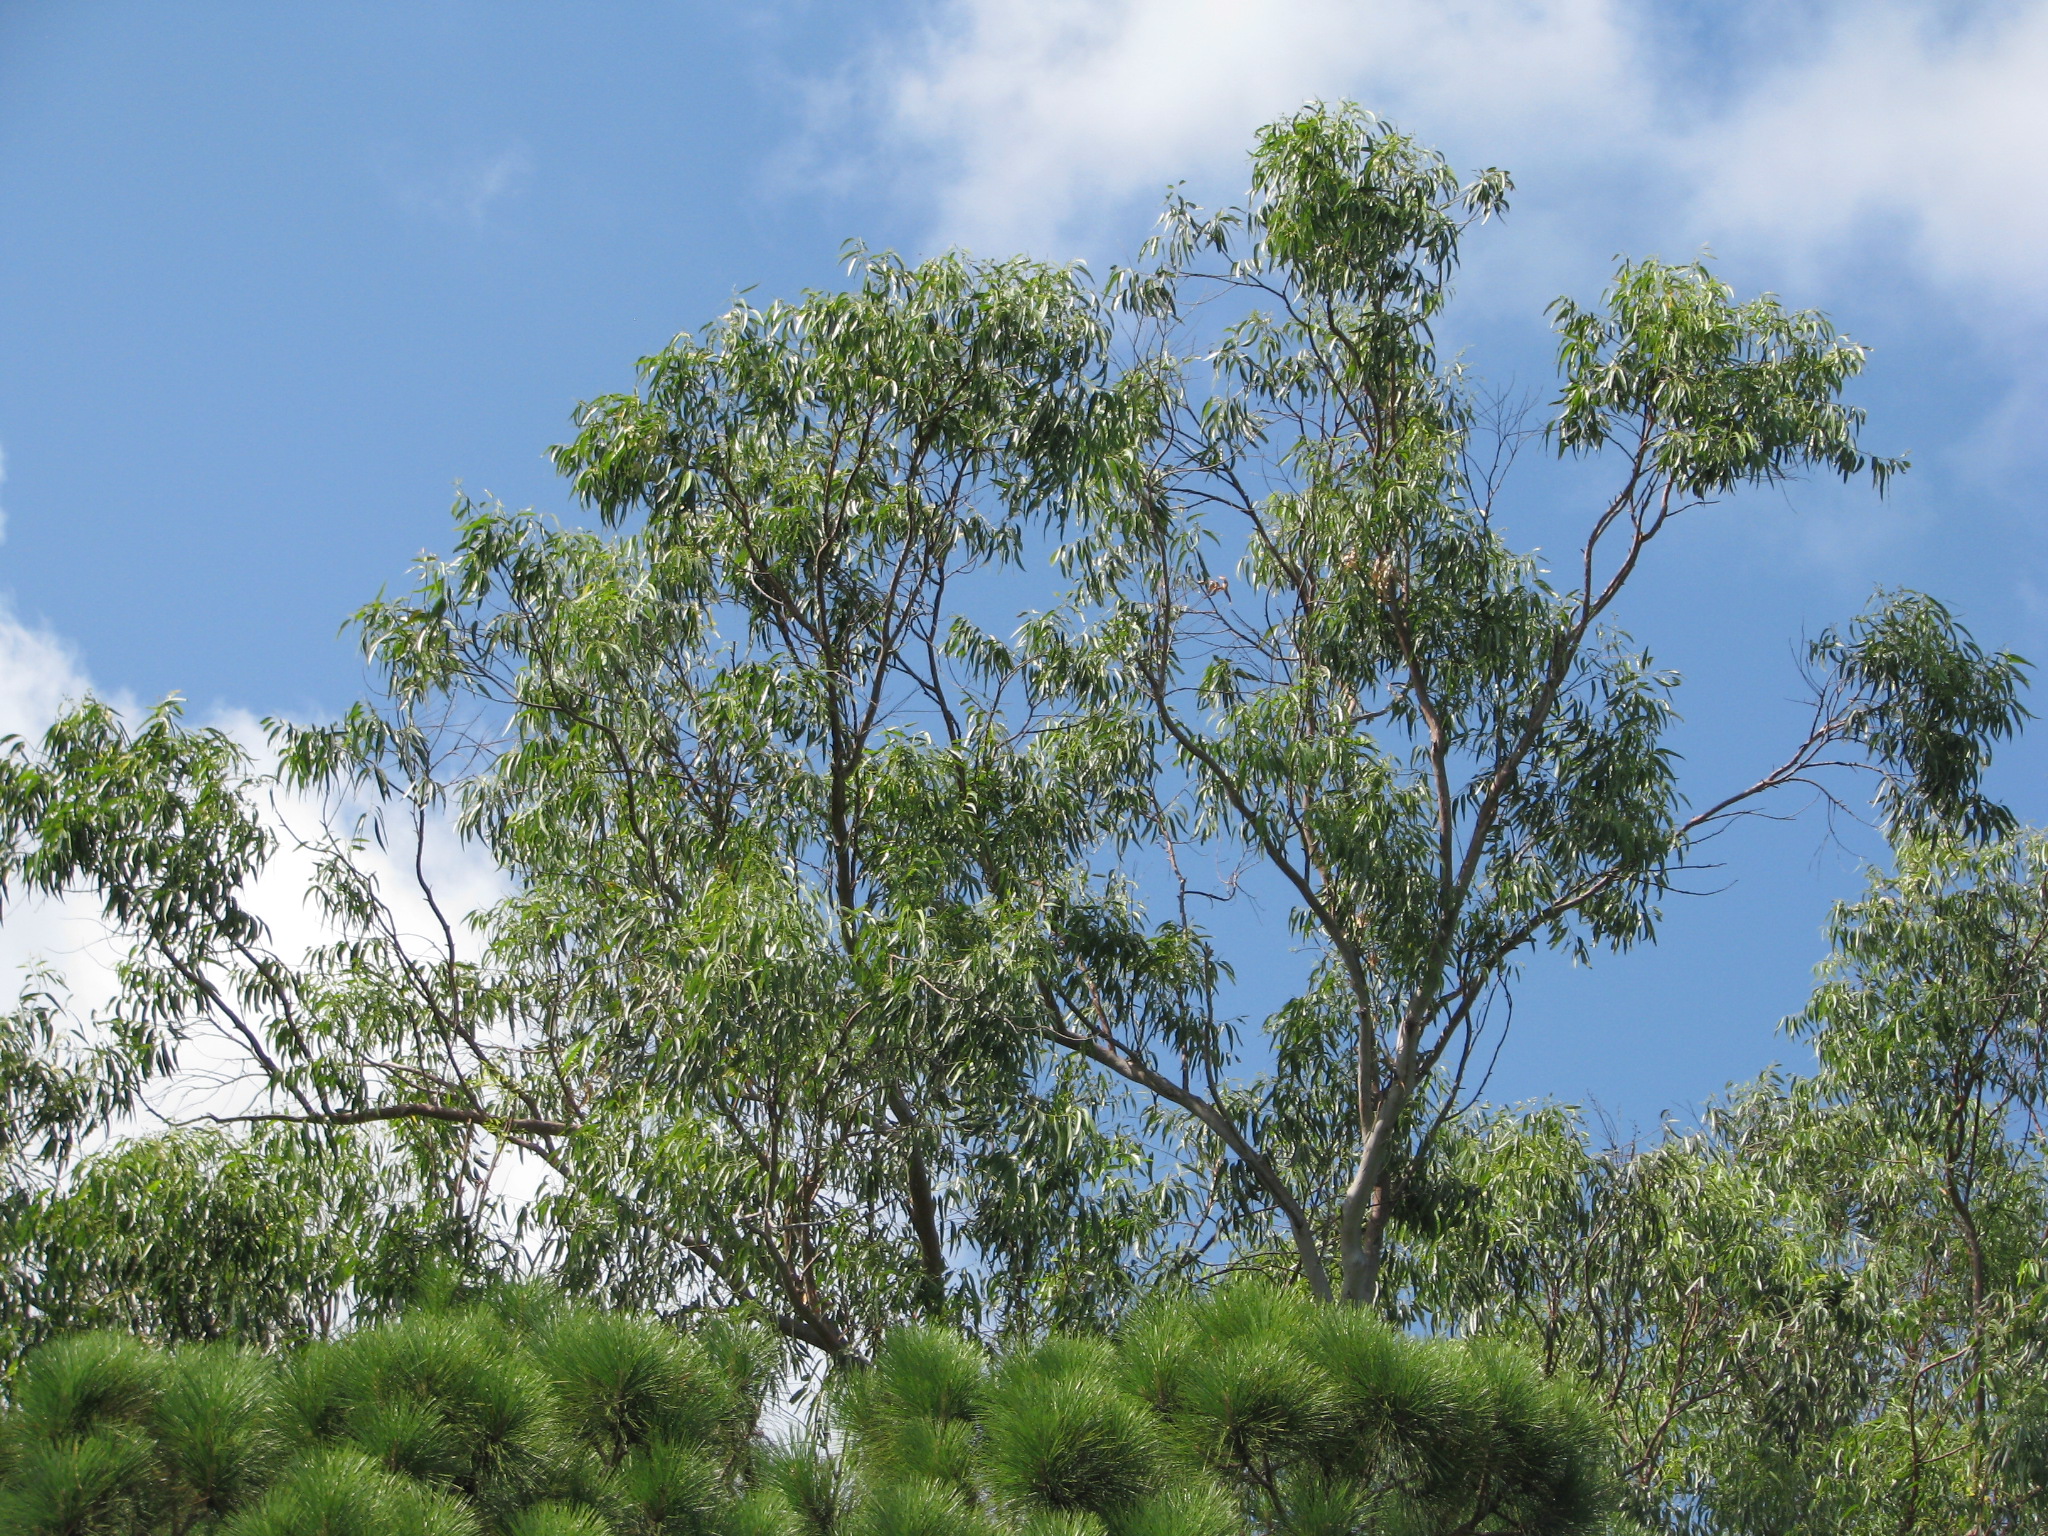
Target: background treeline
867, 955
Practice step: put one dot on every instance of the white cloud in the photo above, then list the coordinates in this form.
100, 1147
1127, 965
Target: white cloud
1905, 124
1038, 116
38, 672
473, 190
1812, 134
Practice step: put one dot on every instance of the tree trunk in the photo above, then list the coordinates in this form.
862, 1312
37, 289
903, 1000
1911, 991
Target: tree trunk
1362, 1223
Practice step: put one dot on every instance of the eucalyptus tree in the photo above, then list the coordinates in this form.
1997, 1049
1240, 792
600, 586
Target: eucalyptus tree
747, 1006
836, 981
769, 843
1931, 1026
106, 1217
198, 1234
1709, 1289
1345, 677
1822, 1309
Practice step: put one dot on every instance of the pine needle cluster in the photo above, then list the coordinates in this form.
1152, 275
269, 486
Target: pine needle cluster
1251, 1408
1247, 1410
531, 1418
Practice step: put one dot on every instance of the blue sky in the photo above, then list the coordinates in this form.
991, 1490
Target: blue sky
274, 278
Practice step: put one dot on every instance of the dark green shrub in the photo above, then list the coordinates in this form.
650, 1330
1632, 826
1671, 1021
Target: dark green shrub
669, 1489
86, 1382
1250, 1408
1059, 1434
916, 1506
553, 1518
218, 1424
622, 1381
808, 1481
341, 1492
1523, 1450
87, 1485
1247, 1410
498, 1420
451, 1400
928, 1374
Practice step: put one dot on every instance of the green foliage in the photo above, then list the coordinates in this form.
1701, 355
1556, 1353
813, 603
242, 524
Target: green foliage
1252, 1408
854, 988
340, 1492
853, 970
622, 1381
1931, 1025
107, 1434
1737, 393
807, 1484
527, 1418
1058, 1432
86, 1382
83, 1485
218, 1428
1931, 703
1445, 756
1248, 1410
199, 1234
668, 1489
1823, 1310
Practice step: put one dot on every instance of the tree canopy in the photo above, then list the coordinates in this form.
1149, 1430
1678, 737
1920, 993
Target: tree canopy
877, 782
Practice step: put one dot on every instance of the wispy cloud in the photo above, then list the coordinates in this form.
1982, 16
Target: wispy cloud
1912, 130
465, 191
1916, 127
1875, 156
1034, 118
